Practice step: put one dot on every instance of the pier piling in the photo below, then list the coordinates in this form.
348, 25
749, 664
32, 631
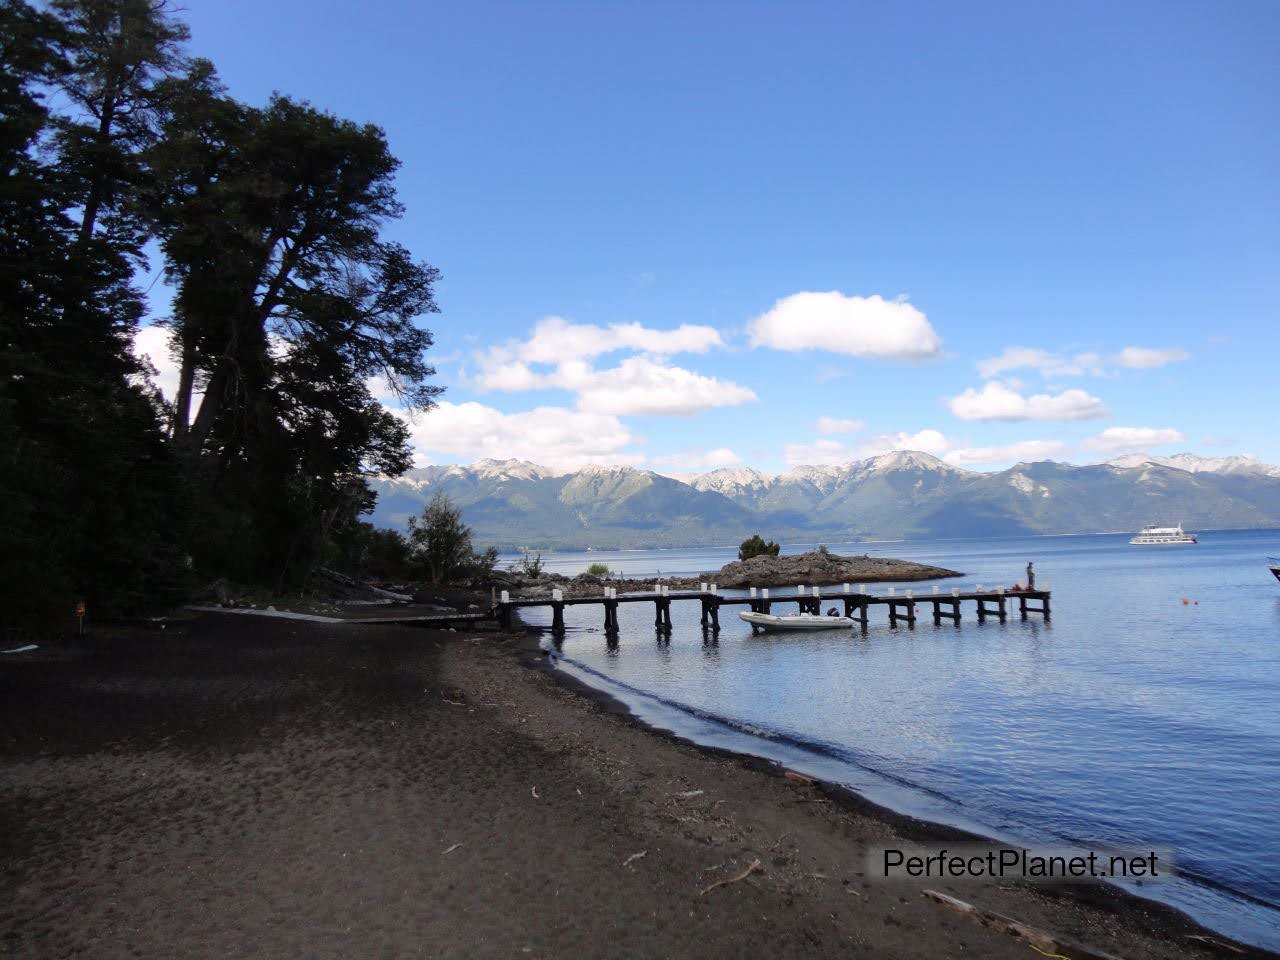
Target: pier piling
856, 606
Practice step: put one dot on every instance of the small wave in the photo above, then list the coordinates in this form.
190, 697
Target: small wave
823, 748
861, 762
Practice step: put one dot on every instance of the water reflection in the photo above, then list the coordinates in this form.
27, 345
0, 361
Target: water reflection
1129, 718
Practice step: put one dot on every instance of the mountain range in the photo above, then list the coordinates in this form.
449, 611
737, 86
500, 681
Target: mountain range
514, 503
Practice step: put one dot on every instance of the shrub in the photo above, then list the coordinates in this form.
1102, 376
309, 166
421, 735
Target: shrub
440, 541
480, 566
529, 566
756, 546
598, 570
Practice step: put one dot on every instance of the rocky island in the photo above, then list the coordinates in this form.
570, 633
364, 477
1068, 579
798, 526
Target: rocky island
817, 568
821, 568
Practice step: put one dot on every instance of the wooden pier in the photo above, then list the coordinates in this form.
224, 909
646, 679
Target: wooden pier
901, 605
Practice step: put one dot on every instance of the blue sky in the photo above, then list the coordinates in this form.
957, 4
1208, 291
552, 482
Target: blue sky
681, 234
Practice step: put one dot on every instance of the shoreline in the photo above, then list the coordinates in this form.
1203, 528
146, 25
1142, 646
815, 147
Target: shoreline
244, 786
1097, 893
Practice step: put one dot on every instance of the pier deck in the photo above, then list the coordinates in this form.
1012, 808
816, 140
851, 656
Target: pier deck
901, 606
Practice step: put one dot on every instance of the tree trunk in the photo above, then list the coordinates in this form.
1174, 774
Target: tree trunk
93, 202
182, 402
210, 407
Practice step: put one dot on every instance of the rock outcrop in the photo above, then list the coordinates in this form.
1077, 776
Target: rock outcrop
822, 568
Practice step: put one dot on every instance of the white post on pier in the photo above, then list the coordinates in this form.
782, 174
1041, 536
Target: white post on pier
557, 594
979, 590
892, 591
910, 594
714, 588
702, 587
955, 591
764, 593
800, 591
506, 596
935, 588
1001, 591
844, 587
862, 588
753, 593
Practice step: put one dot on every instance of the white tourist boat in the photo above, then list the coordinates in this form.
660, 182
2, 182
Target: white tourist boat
1153, 535
795, 621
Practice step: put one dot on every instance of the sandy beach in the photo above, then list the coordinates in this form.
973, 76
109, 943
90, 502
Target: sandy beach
242, 786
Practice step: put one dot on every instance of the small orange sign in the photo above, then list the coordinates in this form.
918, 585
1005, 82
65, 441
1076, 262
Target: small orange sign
80, 609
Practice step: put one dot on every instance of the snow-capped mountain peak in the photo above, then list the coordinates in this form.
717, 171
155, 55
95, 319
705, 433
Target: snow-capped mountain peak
1193, 463
515, 469
909, 460
732, 481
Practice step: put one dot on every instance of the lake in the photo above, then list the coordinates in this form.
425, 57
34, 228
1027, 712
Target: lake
1146, 715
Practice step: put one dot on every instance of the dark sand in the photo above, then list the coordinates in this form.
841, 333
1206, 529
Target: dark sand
244, 787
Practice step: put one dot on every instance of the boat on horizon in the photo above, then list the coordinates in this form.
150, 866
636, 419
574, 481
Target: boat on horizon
795, 621
1155, 535
1274, 566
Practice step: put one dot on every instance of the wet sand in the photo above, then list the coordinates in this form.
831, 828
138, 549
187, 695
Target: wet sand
245, 787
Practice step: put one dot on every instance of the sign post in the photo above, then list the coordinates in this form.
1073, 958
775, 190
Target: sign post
80, 618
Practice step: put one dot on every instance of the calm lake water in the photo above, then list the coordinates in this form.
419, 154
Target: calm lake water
1132, 720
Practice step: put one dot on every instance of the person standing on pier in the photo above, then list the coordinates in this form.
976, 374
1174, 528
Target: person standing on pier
1031, 575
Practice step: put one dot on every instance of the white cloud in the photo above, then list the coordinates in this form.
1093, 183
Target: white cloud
152, 343
926, 441
555, 341
1049, 364
834, 453
996, 401
1144, 358
641, 386
1120, 440
1027, 450
553, 436
819, 453
558, 355
858, 326
700, 459
1057, 365
835, 425
508, 376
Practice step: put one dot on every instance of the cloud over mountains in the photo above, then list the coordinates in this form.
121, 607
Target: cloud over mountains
853, 325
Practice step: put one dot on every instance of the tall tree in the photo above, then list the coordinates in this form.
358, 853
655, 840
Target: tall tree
288, 303
119, 55
84, 463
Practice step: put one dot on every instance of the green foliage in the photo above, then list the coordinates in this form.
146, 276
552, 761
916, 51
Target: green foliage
530, 566
480, 567
288, 303
598, 570
95, 509
440, 542
756, 546
374, 553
